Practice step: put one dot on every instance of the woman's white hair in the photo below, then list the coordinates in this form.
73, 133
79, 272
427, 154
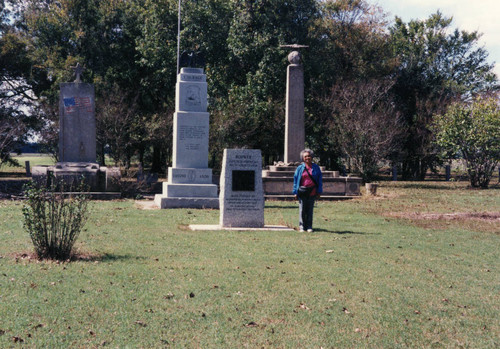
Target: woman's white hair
306, 151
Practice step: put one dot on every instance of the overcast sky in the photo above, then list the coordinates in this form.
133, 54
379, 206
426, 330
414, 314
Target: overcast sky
470, 15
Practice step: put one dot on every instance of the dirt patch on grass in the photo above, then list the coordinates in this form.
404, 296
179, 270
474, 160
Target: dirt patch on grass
76, 256
488, 222
483, 216
146, 205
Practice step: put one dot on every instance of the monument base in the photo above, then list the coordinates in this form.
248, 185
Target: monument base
180, 190
98, 178
163, 201
201, 227
278, 184
188, 188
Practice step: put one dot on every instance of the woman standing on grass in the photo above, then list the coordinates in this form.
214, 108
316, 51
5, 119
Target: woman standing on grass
307, 186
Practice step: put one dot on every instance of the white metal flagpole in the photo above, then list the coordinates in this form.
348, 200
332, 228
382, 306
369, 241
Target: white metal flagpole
178, 34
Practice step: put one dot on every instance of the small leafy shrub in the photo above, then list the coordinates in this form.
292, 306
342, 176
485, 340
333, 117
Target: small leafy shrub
472, 131
53, 220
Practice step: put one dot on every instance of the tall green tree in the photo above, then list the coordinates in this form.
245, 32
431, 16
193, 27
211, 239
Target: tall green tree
101, 35
16, 85
350, 47
436, 67
254, 103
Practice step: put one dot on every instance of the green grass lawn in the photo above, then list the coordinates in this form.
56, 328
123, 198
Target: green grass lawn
393, 271
34, 159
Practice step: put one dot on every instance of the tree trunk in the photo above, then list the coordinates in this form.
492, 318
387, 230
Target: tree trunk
156, 165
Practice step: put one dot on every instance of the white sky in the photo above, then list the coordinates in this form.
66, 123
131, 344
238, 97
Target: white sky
470, 15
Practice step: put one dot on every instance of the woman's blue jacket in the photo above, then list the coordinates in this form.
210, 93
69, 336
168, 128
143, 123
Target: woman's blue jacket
316, 174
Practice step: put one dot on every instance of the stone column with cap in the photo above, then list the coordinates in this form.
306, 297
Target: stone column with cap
294, 127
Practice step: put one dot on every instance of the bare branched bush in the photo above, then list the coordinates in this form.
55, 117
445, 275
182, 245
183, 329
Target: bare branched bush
53, 220
366, 124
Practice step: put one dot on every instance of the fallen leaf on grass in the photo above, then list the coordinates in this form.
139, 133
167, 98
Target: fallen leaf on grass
329, 251
303, 306
17, 339
169, 295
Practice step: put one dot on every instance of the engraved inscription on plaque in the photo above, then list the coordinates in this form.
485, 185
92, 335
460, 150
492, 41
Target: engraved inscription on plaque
191, 133
242, 202
243, 180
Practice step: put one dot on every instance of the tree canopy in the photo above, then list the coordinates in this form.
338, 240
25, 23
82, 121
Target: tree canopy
129, 50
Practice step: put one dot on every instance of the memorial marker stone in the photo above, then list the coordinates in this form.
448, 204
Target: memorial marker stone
242, 196
77, 141
189, 179
77, 132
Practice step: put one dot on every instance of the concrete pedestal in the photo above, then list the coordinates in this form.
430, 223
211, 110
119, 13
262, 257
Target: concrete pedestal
278, 184
70, 174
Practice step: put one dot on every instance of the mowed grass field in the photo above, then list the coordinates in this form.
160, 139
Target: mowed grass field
34, 160
415, 267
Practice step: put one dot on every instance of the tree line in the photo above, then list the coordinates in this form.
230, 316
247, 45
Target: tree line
372, 85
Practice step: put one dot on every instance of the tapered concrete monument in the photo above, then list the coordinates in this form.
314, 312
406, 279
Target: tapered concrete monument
189, 179
294, 112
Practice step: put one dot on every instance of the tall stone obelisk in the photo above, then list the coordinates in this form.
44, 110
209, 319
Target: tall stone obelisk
294, 127
189, 179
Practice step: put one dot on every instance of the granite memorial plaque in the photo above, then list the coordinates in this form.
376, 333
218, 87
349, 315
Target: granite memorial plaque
241, 197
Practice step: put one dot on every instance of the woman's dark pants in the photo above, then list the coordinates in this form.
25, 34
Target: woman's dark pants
306, 206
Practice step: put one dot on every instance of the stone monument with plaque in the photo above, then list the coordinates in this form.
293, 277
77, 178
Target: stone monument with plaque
189, 179
241, 196
77, 142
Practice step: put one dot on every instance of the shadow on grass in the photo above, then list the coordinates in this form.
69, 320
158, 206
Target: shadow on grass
77, 256
286, 207
343, 232
106, 257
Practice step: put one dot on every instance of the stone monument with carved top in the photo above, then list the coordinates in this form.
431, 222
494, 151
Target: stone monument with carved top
189, 179
77, 141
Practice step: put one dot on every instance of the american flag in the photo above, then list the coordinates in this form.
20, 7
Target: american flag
84, 103
69, 105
